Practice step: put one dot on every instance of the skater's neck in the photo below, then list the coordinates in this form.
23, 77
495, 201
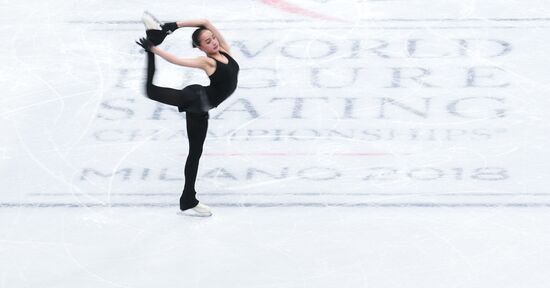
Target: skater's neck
218, 56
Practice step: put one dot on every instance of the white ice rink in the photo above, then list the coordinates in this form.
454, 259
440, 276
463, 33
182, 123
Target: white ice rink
381, 143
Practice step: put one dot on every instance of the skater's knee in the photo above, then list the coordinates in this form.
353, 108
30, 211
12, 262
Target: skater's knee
195, 152
151, 91
148, 91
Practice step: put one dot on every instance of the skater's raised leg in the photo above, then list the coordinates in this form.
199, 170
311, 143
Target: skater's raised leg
164, 95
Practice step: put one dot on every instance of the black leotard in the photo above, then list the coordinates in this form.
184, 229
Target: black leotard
223, 83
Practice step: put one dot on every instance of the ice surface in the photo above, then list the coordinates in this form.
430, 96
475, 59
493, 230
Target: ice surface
382, 143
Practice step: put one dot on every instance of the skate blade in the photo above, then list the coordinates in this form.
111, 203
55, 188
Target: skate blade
193, 213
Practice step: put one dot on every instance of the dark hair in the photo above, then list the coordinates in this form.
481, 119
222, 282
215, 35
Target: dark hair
195, 37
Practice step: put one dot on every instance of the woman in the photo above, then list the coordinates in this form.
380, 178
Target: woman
195, 100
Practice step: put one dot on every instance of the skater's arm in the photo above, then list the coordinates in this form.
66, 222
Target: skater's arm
199, 62
221, 40
191, 23
206, 24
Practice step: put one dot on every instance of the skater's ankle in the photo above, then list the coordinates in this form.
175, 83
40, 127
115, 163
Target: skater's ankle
200, 210
185, 205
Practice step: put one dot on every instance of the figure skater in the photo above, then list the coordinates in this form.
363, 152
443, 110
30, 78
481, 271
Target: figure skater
196, 100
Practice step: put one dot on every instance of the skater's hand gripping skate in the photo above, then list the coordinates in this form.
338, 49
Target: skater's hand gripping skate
145, 44
169, 27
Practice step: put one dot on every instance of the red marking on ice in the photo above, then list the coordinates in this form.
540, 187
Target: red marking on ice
292, 8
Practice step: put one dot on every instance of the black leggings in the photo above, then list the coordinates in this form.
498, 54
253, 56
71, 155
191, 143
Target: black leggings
197, 125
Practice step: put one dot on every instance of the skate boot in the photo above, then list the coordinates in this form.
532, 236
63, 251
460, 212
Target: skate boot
200, 210
150, 22
153, 28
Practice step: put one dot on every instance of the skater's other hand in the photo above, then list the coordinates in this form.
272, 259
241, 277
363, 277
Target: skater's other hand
145, 44
169, 27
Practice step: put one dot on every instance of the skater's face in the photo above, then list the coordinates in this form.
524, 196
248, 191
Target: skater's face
208, 42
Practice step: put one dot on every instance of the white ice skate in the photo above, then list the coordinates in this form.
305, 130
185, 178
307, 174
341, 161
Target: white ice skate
200, 210
153, 28
150, 22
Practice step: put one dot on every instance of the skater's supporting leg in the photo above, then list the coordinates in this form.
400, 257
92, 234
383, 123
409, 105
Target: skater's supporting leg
197, 125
